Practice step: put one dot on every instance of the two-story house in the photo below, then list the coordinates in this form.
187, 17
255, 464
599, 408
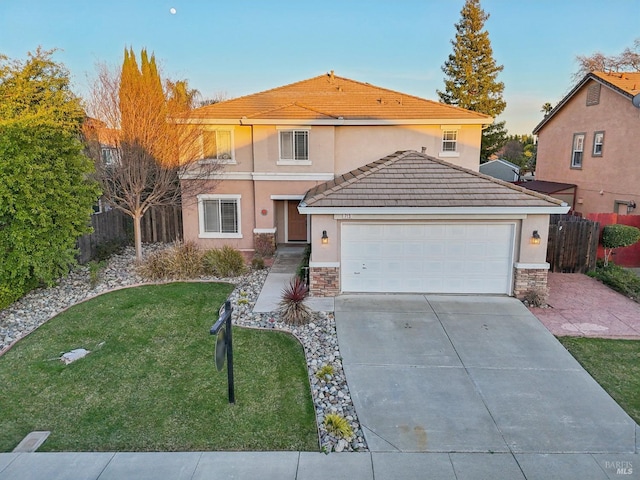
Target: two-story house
314, 162
590, 140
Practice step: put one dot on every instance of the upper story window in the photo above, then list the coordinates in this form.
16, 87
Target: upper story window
217, 144
598, 143
449, 143
577, 151
109, 155
219, 216
294, 146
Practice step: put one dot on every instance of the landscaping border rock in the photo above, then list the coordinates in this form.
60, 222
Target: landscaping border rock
319, 339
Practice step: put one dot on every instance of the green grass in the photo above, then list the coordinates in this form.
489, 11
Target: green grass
153, 385
614, 364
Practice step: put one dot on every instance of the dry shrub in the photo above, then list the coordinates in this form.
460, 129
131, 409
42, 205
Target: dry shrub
178, 262
224, 262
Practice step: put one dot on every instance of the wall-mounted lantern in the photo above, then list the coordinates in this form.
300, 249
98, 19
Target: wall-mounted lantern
535, 238
325, 238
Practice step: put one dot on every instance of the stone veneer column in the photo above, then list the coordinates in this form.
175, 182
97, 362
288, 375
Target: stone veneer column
324, 281
531, 280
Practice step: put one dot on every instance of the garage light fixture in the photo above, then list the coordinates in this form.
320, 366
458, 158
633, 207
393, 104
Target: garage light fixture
535, 238
325, 238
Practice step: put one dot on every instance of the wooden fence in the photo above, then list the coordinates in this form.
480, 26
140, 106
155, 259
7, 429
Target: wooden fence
111, 226
162, 224
573, 244
159, 224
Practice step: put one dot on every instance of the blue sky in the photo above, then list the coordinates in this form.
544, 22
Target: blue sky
245, 46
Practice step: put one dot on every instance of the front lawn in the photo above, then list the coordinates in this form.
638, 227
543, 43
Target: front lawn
150, 383
614, 364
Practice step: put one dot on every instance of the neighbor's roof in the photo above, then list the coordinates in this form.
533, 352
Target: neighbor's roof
546, 187
625, 83
332, 98
412, 179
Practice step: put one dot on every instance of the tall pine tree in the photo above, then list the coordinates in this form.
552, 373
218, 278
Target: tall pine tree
472, 75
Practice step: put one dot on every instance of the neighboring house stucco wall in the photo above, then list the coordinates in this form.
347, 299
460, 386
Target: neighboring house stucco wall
602, 179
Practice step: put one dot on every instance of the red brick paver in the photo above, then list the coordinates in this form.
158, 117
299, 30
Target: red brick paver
582, 306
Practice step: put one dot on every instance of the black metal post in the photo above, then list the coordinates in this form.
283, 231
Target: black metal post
228, 343
229, 340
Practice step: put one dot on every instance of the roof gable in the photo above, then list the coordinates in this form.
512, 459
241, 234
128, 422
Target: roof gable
624, 83
330, 96
411, 179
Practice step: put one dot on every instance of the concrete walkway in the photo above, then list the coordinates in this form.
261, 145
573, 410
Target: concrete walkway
582, 306
282, 271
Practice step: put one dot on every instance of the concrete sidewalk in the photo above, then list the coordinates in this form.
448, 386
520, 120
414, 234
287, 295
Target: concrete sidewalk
315, 466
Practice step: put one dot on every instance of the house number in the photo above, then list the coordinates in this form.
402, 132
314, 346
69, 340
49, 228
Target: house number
346, 215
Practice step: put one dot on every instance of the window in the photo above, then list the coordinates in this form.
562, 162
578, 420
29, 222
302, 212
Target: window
216, 144
109, 155
294, 145
219, 216
578, 149
598, 143
449, 143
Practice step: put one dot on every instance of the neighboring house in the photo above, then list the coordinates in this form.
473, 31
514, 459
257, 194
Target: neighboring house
590, 140
308, 163
501, 169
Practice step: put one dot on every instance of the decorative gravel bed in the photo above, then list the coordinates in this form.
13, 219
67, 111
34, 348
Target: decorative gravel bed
330, 393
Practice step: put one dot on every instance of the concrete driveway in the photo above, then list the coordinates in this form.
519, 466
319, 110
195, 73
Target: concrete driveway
433, 373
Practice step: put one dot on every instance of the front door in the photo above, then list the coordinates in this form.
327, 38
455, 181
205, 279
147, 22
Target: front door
296, 223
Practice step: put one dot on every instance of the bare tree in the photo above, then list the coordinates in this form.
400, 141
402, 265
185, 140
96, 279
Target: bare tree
151, 152
628, 60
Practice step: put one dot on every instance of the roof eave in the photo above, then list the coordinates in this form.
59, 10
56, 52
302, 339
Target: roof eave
574, 90
332, 121
533, 210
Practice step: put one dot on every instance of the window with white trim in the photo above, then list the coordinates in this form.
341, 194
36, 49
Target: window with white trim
598, 143
219, 216
577, 151
110, 156
217, 144
294, 145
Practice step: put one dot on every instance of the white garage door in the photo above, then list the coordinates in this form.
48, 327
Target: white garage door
431, 258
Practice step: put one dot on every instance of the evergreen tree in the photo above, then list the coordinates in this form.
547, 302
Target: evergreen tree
472, 75
45, 196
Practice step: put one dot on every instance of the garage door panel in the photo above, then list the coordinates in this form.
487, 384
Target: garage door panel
434, 258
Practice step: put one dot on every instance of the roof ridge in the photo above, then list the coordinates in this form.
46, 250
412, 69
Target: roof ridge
410, 95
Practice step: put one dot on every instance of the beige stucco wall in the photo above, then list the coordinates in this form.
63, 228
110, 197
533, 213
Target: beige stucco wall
190, 220
601, 180
528, 253
267, 150
359, 145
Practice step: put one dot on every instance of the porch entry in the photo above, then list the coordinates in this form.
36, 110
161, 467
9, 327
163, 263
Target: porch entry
296, 225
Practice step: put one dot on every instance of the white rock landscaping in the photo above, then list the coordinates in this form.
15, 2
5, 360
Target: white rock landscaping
319, 339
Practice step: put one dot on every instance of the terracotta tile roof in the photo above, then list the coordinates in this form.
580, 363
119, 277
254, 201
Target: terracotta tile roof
332, 97
628, 82
412, 179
